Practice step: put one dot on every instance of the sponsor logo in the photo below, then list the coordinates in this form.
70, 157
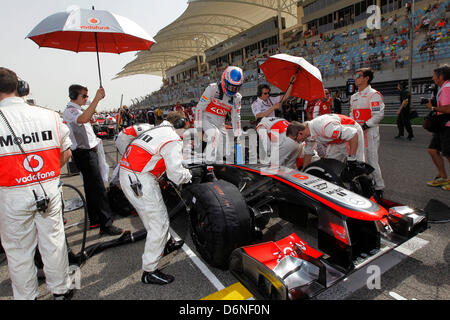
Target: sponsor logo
33, 163
335, 134
375, 103
33, 137
36, 177
218, 111
94, 21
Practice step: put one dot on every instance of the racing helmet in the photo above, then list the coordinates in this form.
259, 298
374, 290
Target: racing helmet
232, 79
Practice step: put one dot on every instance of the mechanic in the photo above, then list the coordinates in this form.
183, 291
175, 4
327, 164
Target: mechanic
123, 139
367, 108
321, 106
85, 154
30, 199
334, 131
290, 150
265, 105
147, 158
440, 143
216, 102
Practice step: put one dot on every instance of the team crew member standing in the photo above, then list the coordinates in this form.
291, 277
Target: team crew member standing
84, 150
216, 102
322, 105
151, 154
265, 105
45, 140
367, 108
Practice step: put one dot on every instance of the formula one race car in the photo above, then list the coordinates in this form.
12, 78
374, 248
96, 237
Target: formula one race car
335, 231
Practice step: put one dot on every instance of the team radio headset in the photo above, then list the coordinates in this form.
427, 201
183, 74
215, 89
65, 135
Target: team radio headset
136, 185
42, 202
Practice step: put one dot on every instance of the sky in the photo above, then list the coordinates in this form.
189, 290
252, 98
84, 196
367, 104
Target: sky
50, 72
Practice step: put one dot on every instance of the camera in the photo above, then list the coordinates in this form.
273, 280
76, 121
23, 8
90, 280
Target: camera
424, 100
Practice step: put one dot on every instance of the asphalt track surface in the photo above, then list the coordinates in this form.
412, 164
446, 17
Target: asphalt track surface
420, 269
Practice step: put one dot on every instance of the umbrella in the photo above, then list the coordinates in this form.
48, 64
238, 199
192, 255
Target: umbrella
279, 69
83, 30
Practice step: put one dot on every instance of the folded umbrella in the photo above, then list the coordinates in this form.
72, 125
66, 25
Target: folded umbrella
278, 70
84, 30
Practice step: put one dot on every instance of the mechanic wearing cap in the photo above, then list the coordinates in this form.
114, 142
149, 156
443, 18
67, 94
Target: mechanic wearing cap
84, 150
367, 108
265, 105
147, 158
30, 199
334, 131
216, 102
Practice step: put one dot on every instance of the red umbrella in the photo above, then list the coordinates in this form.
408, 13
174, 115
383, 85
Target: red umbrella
83, 30
279, 69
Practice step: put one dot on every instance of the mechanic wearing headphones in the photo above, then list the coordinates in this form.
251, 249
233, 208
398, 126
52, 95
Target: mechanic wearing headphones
367, 108
334, 131
34, 145
216, 102
84, 150
146, 159
265, 105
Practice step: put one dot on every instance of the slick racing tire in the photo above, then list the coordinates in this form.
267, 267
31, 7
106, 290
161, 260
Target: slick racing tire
219, 221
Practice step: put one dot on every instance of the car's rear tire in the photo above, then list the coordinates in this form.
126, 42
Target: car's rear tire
219, 220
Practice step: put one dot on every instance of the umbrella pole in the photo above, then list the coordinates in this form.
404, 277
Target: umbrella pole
98, 59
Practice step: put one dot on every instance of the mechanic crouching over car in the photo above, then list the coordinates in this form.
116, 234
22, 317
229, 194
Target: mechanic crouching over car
34, 145
146, 159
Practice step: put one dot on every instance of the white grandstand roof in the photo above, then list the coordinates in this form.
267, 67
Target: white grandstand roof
204, 24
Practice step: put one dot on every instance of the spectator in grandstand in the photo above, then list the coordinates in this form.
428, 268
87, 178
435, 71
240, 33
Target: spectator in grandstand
367, 108
403, 113
440, 143
265, 105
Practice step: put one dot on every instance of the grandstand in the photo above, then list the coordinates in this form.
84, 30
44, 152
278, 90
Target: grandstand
332, 35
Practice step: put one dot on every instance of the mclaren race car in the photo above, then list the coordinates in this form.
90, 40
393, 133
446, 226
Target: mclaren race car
338, 226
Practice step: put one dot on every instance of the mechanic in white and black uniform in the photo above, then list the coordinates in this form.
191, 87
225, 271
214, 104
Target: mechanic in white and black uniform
265, 105
153, 153
30, 198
